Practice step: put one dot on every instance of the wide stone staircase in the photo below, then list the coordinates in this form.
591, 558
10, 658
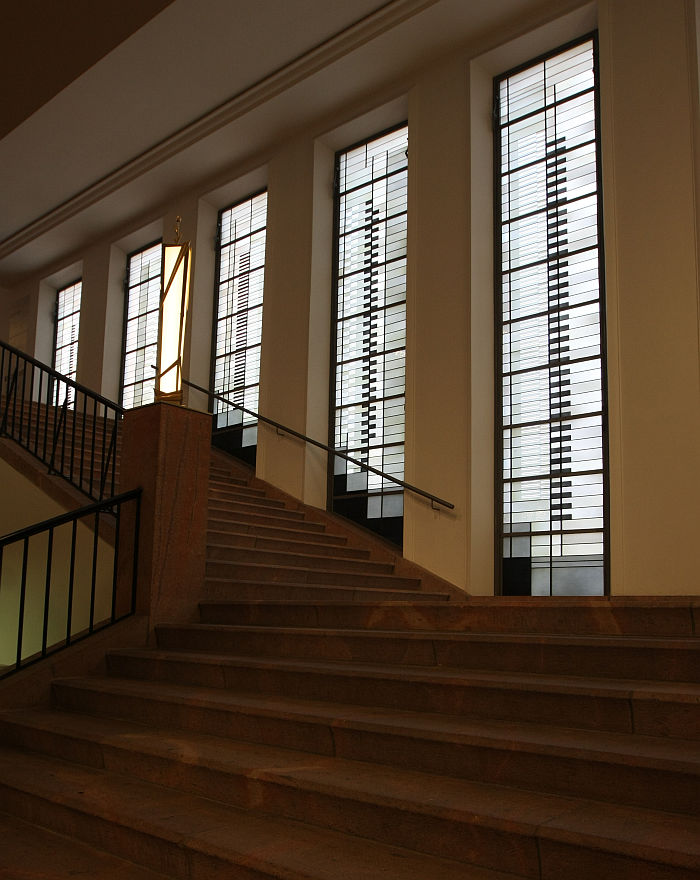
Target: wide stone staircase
328, 718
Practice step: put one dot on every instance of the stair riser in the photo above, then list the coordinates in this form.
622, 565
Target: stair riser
396, 825
590, 712
532, 657
274, 574
226, 486
273, 515
562, 860
173, 858
225, 590
244, 497
224, 480
302, 544
306, 531
328, 561
474, 760
452, 618
178, 859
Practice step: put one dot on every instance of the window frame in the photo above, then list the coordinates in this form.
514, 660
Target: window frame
126, 318
228, 436
395, 535
591, 37
73, 375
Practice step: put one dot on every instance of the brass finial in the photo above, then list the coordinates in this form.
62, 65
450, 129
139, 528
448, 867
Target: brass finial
178, 221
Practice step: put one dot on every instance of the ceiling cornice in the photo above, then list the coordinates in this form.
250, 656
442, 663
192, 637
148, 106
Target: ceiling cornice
307, 64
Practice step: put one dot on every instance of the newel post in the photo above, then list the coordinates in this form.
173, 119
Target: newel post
165, 451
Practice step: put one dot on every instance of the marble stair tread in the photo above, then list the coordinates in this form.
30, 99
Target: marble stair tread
247, 497
220, 587
255, 776
329, 561
626, 656
673, 619
612, 748
530, 685
219, 484
320, 573
190, 836
241, 522
302, 543
29, 852
273, 514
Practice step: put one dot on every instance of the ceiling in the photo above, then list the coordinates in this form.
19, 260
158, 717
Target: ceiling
107, 115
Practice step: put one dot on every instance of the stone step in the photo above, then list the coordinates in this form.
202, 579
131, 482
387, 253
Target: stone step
268, 514
224, 476
584, 617
622, 769
512, 830
261, 525
623, 706
328, 575
28, 852
187, 836
245, 496
239, 487
590, 656
330, 561
223, 589
302, 543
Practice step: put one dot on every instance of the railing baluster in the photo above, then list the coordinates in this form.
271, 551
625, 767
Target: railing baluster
81, 479
115, 561
37, 421
71, 582
47, 593
135, 569
92, 449
22, 600
64, 419
30, 590
93, 584
44, 431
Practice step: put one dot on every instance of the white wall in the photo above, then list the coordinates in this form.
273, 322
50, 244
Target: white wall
649, 111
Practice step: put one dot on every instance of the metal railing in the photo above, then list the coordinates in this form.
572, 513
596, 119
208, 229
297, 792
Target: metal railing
68, 427
63, 579
434, 499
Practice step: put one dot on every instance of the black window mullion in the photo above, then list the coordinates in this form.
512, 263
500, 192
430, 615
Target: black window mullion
551, 460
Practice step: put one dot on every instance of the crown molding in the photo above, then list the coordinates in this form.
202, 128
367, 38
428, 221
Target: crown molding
341, 44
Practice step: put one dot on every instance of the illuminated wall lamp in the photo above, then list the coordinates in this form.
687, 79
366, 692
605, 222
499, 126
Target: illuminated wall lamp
172, 318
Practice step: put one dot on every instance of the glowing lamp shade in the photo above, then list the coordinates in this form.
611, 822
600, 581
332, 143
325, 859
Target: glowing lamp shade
172, 319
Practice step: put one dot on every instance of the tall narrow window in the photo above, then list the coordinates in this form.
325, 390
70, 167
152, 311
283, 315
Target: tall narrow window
370, 331
143, 283
65, 357
552, 381
238, 330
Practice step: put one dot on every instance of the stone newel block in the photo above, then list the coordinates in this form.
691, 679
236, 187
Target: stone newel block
166, 451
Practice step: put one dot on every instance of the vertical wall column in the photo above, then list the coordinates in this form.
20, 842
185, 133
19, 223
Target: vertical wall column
438, 444
649, 118
101, 320
296, 324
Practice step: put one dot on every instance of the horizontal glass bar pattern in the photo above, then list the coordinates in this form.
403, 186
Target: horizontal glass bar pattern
240, 284
144, 269
66, 344
370, 332
551, 359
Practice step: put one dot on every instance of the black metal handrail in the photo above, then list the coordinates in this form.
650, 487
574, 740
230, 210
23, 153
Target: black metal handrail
317, 443
68, 427
67, 582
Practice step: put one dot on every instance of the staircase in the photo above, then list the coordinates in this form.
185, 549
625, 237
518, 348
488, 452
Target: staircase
329, 719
